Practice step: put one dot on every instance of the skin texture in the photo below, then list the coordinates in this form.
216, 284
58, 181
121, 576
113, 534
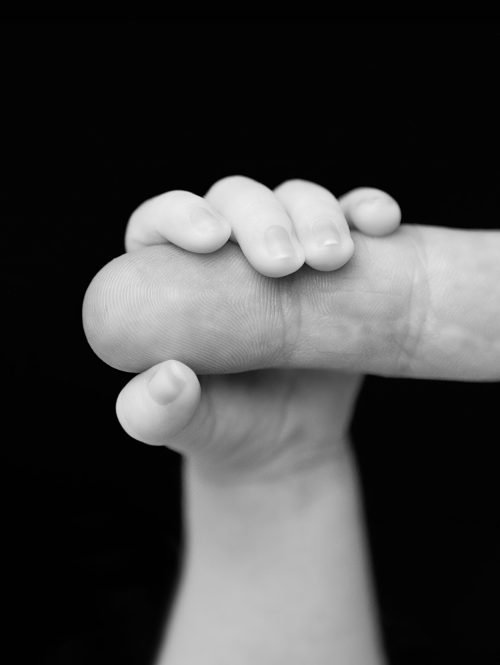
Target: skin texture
271, 422
417, 303
420, 303
266, 456
275, 573
251, 215
267, 469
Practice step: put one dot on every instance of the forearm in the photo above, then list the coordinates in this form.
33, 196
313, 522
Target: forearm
274, 574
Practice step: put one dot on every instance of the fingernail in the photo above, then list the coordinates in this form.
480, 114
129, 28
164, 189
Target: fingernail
165, 385
279, 243
204, 221
325, 232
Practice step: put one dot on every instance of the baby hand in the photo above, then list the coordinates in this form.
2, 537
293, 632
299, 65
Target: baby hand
270, 421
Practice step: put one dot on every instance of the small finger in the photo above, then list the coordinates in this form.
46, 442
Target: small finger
179, 217
156, 405
372, 211
319, 223
261, 226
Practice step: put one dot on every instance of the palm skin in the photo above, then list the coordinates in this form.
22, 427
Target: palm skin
275, 421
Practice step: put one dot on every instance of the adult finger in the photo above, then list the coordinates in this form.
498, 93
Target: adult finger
423, 302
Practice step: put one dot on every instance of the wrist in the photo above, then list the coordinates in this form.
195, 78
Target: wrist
261, 498
275, 572
228, 512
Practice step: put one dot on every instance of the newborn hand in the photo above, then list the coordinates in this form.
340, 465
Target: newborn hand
273, 421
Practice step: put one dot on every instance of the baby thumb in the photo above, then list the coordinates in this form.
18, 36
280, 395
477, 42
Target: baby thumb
165, 406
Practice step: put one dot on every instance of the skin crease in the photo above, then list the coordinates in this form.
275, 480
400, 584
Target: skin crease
422, 302
286, 422
267, 423
268, 480
140, 308
278, 419
264, 424
416, 303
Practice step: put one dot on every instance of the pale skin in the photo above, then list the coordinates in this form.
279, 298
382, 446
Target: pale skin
266, 453
258, 432
149, 407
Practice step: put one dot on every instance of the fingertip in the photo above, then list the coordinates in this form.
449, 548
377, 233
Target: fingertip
332, 257
376, 215
210, 231
178, 217
372, 211
278, 267
277, 254
155, 405
347, 250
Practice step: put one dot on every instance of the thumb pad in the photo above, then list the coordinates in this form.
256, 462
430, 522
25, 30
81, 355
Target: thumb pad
213, 312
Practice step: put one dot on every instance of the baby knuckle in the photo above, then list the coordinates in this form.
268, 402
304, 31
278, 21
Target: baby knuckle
229, 182
178, 197
290, 184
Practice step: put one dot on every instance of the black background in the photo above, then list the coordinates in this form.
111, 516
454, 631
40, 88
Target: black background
98, 115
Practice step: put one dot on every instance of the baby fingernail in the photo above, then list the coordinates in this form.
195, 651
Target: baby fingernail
204, 221
325, 232
165, 385
278, 242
